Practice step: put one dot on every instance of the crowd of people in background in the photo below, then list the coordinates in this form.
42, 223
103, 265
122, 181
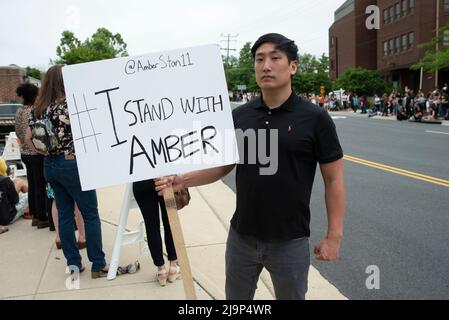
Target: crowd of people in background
242, 96
404, 105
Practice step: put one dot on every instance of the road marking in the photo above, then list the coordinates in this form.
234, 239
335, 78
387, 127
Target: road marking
437, 132
410, 174
338, 117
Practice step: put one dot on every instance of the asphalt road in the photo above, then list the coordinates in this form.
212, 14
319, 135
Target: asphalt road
397, 223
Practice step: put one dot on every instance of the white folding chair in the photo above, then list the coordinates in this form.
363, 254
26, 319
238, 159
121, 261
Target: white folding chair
124, 238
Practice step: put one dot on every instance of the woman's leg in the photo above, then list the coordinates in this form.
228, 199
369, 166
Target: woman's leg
147, 200
66, 221
88, 205
40, 183
54, 214
30, 177
80, 225
174, 271
168, 237
20, 185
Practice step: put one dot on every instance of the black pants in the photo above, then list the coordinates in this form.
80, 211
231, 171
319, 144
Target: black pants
37, 194
148, 201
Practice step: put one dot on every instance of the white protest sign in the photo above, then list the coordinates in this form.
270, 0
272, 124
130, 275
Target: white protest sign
137, 118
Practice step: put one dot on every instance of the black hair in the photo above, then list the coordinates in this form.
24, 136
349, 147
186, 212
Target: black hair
28, 92
281, 42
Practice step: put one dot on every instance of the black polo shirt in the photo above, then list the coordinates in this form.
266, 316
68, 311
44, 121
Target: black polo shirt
277, 207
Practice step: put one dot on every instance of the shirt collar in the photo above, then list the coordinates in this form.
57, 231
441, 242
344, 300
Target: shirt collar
288, 105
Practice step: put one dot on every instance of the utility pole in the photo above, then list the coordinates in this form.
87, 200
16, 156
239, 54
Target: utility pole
228, 39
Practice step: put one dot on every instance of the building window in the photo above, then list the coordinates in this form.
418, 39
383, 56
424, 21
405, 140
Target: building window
392, 17
404, 42
391, 47
385, 48
332, 42
398, 10
404, 8
386, 16
446, 38
446, 4
412, 6
398, 44
411, 40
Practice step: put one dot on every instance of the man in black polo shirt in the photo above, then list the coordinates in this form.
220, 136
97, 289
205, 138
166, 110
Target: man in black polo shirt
270, 227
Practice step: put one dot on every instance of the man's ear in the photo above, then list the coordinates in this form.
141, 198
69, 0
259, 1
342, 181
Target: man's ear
293, 67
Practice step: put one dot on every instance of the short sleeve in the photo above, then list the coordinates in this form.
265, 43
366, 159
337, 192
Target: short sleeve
327, 145
31, 118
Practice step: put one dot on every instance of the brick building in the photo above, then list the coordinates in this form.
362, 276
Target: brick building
350, 43
404, 24
10, 78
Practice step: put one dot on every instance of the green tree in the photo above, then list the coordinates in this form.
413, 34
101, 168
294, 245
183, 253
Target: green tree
312, 74
101, 45
310, 82
231, 62
241, 71
435, 60
33, 72
323, 64
246, 57
362, 82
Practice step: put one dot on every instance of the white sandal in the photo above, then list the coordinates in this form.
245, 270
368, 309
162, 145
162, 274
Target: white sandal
174, 273
162, 276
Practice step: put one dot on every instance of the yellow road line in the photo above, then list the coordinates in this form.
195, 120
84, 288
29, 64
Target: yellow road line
398, 169
410, 174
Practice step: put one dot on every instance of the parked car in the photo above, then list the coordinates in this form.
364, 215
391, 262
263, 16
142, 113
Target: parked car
7, 118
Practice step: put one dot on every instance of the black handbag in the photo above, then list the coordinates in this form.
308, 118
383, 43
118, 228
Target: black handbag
182, 198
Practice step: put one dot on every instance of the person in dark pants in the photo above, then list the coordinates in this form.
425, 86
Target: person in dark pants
271, 224
61, 171
34, 162
149, 203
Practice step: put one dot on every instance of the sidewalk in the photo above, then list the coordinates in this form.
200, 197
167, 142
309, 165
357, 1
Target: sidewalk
350, 113
34, 269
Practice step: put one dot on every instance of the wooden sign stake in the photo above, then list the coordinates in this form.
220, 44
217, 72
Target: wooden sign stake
178, 239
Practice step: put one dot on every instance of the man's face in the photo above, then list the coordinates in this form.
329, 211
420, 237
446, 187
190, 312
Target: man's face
273, 71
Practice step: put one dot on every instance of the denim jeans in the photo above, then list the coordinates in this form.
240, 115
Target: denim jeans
442, 110
64, 179
287, 262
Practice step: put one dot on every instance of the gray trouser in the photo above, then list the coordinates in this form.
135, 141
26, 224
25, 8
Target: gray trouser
287, 262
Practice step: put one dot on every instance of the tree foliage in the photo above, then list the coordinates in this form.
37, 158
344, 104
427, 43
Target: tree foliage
362, 82
312, 72
33, 72
435, 60
241, 71
101, 45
